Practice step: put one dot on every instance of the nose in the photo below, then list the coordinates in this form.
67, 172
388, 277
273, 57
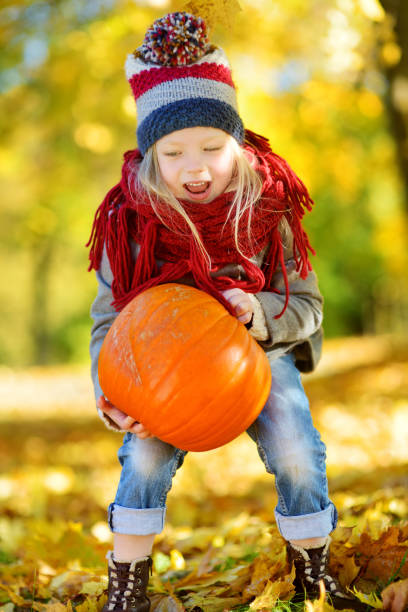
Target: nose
195, 164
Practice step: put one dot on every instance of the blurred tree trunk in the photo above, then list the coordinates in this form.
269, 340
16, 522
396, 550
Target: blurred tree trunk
397, 98
40, 328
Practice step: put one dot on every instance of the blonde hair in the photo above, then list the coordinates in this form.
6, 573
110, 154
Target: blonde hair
245, 181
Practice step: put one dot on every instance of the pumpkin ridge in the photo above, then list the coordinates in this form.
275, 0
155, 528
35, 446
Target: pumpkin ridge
222, 433
180, 431
191, 347
126, 320
110, 378
190, 344
149, 315
232, 424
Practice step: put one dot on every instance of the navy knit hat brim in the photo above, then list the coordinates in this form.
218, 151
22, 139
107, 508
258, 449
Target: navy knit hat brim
192, 112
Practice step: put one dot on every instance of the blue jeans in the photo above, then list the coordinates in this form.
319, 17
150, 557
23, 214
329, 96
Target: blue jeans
287, 442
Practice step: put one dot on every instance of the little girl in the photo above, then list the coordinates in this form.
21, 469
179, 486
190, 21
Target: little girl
206, 203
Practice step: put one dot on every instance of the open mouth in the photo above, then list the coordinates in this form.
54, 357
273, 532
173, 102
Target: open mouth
198, 190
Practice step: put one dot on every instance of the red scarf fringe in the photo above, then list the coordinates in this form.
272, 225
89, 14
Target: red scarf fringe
124, 217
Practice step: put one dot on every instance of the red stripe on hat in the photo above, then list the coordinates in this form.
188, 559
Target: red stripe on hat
145, 80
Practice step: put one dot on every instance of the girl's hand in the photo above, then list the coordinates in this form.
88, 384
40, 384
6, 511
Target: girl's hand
395, 596
125, 422
241, 302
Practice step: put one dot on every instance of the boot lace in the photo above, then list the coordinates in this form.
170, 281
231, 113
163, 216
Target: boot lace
128, 585
315, 569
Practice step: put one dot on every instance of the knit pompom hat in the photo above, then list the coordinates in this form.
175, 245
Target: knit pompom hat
179, 80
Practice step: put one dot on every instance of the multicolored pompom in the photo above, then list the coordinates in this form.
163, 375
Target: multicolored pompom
178, 39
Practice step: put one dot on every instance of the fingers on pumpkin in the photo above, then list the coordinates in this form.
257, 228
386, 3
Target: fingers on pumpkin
243, 311
140, 431
241, 303
245, 318
120, 418
103, 402
128, 422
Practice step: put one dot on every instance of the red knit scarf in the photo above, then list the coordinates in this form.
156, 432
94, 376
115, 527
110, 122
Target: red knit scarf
123, 217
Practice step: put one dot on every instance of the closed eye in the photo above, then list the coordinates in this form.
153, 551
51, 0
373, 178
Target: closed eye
213, 149
172, 153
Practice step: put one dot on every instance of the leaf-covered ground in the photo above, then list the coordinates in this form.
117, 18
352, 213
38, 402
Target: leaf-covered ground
220, 550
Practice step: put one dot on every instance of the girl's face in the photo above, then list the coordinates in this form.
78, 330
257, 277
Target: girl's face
196, 163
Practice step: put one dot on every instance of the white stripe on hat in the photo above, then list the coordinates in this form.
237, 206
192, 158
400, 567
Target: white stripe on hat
184, 89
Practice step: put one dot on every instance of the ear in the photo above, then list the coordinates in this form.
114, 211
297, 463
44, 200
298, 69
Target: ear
250, 157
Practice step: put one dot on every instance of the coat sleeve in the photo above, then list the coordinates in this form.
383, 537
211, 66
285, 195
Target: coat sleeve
303, 316
103, 315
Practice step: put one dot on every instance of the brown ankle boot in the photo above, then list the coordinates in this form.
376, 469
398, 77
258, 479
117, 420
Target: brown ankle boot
127, 585
311, 566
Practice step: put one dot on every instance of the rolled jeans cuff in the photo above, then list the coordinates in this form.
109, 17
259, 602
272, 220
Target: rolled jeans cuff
135, 522
315, 525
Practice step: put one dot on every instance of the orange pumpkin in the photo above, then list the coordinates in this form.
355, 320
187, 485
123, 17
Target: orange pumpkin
178, 362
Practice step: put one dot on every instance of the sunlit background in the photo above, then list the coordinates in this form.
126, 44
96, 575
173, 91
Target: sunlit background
327, 82
322, 79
